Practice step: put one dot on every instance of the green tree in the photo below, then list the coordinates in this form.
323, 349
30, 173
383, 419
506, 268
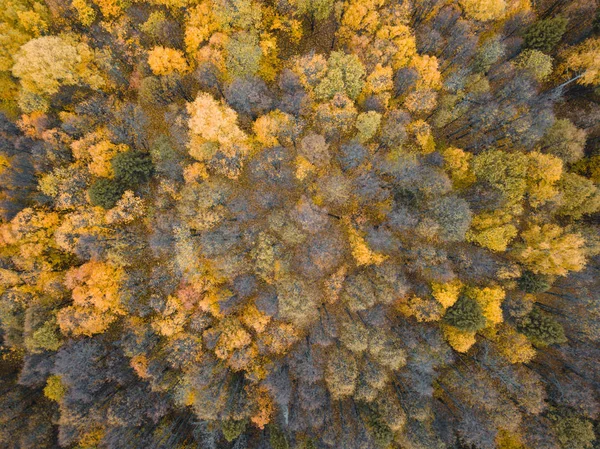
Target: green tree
542, 329
132, 168
465, 314
105, 192
565, 140
345, 74
545, 34
534, 283
580, 196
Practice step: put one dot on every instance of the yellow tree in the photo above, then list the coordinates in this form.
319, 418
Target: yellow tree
543, 172
213, 126
96, 292
484, 10
164, 61
583, 63
46, 63
548, 249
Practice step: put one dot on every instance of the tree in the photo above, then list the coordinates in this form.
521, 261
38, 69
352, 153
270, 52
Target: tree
243, 55
54, 389
96, 293
484, 10
367, 125
580, 196
504, 171
538, 64
466, 314
541, 328
547, 249
341, 373
132, 168
45, 64
564, 140
454, 217
534, 283
164, 61
545, 34
582, 60
573, 431
460, 340
105, 192
212, 122
344, 74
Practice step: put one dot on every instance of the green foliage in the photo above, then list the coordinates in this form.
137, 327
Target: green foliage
505, 171
580, 196
105, 192
573, 432
534, 283
542, 328
132, 168
465, 314
277, 438
564, 140
47, 337
345, 74
380, 431
545, 34
243, 55
232, 429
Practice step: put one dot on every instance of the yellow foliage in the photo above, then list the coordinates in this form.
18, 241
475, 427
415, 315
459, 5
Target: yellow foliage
543, 172
490, 300
54, 389
172, 320
423, 310
427, 68
199, 26
95, 288
195, 172
232, 336
127, 209
514, 346
457, 161
111, 8
379, 80
360, 250
164, 61
303, 168
547, 249
447, 293
492, 230
139, 363
405, 45
213, 121
279, 336
422, 134
254, 319
91, 439
459, 340
484, 10
269, 63
263, 408
361, 16
85, 12
269, 128
33, 22
583, 59
101, 154
506, 440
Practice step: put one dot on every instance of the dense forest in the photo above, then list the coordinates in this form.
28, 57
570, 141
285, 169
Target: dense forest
300, 224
